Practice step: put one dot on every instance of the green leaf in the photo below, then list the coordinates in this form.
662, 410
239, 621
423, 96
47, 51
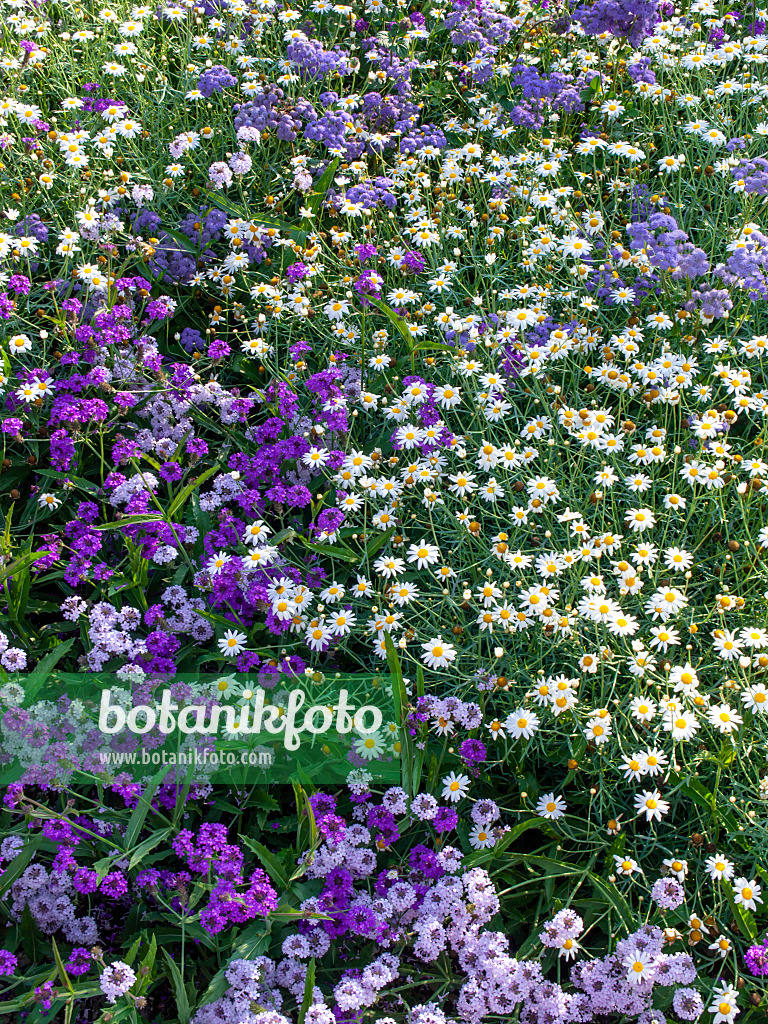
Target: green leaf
103, 866
400, 698
18, 864
180, 993
35, 681
185, 242
269, 861
303, 807
613, 896
254, 941
484, 856
314, 201
213, 617
149, 844
130, 521
283, 536
131, 954
309, 988
378, 542
435, 346
142, 808
223, 203
21, 564
398, 321
332, 551
148, 963
181, 799
60, 964
78, 481
182, 497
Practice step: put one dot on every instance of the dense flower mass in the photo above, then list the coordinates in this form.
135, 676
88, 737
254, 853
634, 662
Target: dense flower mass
414, 344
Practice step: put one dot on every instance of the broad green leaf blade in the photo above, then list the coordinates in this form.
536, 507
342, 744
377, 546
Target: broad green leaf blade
269, 862
19, 565
130, 521
253, 942
35, 681
396, 320
149, 844
183, 496
142, 808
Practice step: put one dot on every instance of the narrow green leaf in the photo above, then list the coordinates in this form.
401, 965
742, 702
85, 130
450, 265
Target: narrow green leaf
434, 346
149, 844
613, 896
78, 481
130, 956
223, 203
254, 941
130, 521
60, 964
378, 542
35, 681
182, 497
485, 856
309, 988
315, 199
213, 617
332, 551
283, 536
142, 808
303, 807
180, 993
148, 962
185, 242
19, 565
269, 861
314, 834
18, 864
181, 799
396, 320
400, 698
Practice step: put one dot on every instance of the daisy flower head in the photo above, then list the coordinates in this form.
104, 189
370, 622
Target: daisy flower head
746, 892
640, 519
724, 718
640, 966
650, 803
455, 787
626, 865
48, 500
551, 807
438, 653
232, 643
522, 724
724, 1004
482, 837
